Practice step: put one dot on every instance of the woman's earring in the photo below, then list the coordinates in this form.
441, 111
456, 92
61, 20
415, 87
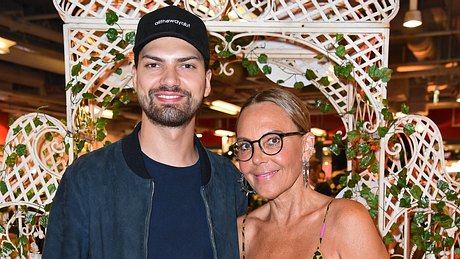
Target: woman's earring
306, 173
245, 187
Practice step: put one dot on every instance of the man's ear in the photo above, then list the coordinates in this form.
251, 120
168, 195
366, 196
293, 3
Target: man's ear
134, 75
308, 141
207, 89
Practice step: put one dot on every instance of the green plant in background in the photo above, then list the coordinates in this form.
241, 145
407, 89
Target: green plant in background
15, 234
91, 129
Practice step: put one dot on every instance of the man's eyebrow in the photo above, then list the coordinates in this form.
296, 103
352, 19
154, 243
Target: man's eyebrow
152, 57
181, 59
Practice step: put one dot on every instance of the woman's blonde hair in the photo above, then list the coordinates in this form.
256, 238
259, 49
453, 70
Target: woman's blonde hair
290, 103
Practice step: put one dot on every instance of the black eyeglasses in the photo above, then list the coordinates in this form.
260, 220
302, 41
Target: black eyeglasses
270, 144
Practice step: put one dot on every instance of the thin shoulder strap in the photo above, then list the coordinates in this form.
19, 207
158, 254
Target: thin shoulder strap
323, 226
242, 235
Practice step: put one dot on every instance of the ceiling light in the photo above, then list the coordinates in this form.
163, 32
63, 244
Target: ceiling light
413, 17
5, 45
414, 68
458, 96
225, 107
224, 133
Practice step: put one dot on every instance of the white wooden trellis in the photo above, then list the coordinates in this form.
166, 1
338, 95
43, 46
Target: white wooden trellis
294, 31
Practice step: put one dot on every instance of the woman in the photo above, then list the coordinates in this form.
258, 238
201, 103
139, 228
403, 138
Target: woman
273, 147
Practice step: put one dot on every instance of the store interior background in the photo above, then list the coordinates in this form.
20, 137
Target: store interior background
425, 61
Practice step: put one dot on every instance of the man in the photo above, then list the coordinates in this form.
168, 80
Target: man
157, 193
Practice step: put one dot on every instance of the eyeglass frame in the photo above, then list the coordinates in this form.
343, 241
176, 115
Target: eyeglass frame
251, 142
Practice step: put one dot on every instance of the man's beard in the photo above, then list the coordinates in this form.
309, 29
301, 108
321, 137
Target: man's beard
169, 115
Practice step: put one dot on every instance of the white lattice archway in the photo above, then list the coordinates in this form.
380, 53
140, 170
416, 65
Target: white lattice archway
290, 33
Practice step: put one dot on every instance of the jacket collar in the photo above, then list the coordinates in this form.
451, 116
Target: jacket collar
131, 149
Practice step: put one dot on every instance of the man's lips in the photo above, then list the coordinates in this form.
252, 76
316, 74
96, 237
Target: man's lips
169, 97
265, 175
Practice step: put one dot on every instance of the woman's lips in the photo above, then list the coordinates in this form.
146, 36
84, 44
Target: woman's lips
265, 176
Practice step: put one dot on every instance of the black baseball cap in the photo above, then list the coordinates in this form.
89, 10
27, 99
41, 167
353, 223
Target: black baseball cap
172, 21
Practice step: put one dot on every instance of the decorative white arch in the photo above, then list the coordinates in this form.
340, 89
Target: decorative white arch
293, 32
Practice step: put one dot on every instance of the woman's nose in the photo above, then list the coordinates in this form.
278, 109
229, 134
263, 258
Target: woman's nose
258, 155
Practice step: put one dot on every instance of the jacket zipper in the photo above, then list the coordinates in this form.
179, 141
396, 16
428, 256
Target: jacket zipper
211, 232
147, 220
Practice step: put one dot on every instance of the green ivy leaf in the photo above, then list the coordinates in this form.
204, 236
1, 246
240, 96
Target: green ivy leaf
343, 71
375, 168
8, 248
111, 18
325, 107
11, 159
444, 220
267, 70
424, 202
366, 160
452, 195
51, 188
394, 190
23, 240
48, 136
44, 221
21, 149
324, 81
382, 131
340, 51
388, 238
337, 139
404, 202
3, 188
416, 192
262, 59
373, 71
419, 218
373, 212
338, 37
457, 251
279, 81
119, 56
94, 58
439, 206
387, 114
348, 194
76, 69
30, 218
226, 54
125, 99
385, 74
47, 207
252, 69
119, 71
343, 180
298, 85
111, 34
350, 153
130, 37
448, 242
363, 148
310, 74
2, 229
89, 96
229, 36
100, 135
77, 87
443, 185
319, 56
409, 129
335, 149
